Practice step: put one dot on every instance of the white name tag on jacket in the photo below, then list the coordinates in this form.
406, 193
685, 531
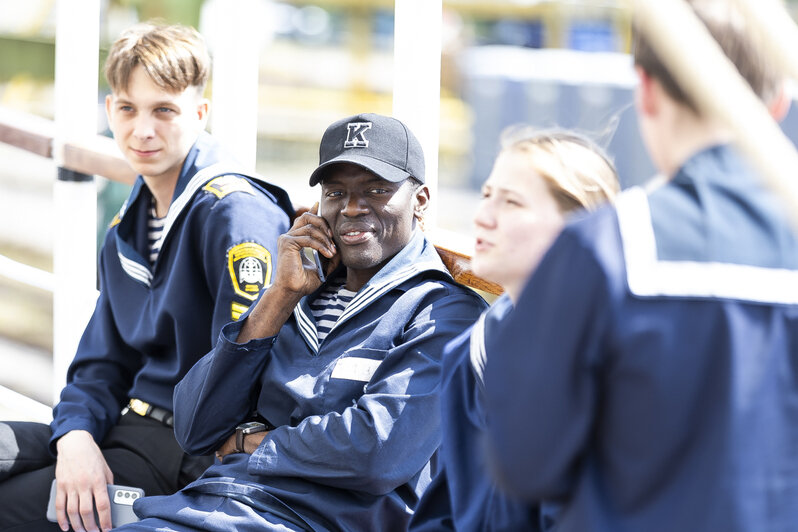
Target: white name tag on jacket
355, 368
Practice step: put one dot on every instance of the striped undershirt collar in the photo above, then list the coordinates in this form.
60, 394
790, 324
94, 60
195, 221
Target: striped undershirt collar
155, 227
329, 305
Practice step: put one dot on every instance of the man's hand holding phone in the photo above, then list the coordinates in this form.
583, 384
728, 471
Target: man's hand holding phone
310, 240
296, 274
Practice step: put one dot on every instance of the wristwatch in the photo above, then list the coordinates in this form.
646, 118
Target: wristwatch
243, 429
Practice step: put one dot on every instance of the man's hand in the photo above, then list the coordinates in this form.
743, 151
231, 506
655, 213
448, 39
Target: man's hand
295, 275
81, 477
251, 442
294, 272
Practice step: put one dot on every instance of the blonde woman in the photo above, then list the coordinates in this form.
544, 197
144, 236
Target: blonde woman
539, 179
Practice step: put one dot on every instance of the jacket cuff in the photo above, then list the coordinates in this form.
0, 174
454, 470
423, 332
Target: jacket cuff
60, 428
229, 334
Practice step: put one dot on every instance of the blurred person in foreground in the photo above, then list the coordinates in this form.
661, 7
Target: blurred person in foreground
190, 250
322, 402
539, 179
647, 378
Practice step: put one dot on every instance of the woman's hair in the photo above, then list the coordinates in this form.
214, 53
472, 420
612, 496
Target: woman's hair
578, 173
174, 57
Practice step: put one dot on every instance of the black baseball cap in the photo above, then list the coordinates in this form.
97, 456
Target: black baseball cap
380, 144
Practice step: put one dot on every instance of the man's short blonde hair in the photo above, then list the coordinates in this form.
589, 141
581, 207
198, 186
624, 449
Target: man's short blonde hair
175, 57
578, 173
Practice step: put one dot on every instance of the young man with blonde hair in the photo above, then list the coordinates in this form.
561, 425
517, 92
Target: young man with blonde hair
190, 250
647, 377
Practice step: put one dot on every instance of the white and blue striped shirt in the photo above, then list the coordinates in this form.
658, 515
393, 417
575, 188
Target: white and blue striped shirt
329, 305
155, 227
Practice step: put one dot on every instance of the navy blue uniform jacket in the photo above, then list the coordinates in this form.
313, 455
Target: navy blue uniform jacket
648, 377
357, 415
463, 495
151, 324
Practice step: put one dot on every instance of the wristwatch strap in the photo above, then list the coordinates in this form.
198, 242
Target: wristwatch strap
239, 441
247, 428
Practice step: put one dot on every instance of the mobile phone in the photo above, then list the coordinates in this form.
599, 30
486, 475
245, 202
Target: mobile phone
319, 267
121, 497
316, 258
312, 254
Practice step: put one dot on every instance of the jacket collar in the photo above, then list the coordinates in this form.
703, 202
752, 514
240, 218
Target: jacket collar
765, 270
479, 332
201, 165
418, 256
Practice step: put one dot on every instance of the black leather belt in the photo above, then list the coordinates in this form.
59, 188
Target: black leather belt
145, 409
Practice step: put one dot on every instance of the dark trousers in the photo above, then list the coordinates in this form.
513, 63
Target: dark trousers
141, 452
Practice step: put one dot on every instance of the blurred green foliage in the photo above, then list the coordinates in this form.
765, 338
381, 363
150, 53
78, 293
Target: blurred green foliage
173, 11
33, 57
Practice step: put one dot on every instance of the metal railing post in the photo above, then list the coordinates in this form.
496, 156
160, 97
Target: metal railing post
417, 81
74, 193
234, 110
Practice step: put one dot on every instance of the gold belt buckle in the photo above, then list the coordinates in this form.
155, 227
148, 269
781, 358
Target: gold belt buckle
139, 407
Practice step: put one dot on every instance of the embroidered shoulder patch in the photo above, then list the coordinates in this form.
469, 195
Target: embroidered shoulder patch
237, 309
115, 221
227, 184
250, 267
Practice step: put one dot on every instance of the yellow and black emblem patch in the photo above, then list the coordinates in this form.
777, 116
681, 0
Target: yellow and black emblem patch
250, 267
227, 184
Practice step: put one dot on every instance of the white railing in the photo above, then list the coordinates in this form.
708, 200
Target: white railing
22, 273
33, 410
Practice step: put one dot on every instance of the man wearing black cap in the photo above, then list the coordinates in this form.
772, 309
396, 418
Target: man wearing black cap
341, 376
